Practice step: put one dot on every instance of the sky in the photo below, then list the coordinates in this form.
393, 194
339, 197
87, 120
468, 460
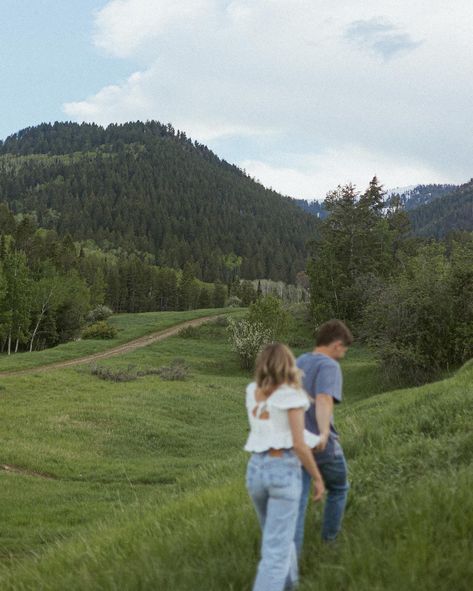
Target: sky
302, 94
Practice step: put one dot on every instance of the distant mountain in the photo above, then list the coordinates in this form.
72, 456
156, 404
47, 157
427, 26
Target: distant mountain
446, 213
411, 197
434, 210
315, 208
147, 186
417, 195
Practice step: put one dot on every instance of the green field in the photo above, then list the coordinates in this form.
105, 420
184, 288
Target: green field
139, 485
129, 326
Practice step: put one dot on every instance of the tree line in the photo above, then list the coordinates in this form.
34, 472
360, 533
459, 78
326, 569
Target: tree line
49, 284
410, 298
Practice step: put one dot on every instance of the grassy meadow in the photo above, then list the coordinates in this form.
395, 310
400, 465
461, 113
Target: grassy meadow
139, 485
129, 327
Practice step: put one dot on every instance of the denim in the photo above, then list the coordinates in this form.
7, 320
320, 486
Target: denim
275, 486
334, 474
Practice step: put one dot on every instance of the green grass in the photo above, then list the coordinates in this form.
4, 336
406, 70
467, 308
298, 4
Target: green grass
109, 445
148, 490
129, 327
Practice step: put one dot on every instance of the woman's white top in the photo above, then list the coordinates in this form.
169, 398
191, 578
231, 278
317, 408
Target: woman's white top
274, 432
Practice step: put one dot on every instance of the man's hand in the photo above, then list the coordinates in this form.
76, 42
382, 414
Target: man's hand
319, 490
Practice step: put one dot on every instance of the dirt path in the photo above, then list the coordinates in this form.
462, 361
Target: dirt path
119, 350
17, 470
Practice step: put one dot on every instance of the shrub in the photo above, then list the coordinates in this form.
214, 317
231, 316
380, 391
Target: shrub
114, 375
177, 370
299, 342
420, 322
100, 312
233, 302
401, 365
188, 332
247, 339
271, 314
99, 330
221, 321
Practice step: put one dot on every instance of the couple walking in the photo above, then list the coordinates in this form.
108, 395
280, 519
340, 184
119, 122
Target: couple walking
290, 411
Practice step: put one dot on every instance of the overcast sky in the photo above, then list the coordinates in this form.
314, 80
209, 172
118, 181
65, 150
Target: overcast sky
303, 94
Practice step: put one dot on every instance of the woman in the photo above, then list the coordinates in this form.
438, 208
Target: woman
278, 443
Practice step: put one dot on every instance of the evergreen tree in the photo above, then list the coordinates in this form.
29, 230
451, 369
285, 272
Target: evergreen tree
186, 288
220, 295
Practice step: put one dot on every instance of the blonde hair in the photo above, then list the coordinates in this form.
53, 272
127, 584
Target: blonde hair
276, 365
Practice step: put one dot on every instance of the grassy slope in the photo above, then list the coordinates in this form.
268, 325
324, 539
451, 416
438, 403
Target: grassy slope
129, 327
408, 523
107, 444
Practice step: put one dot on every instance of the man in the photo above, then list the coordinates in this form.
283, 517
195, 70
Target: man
323, 382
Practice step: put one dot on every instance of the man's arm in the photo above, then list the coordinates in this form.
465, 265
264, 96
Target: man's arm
323, 415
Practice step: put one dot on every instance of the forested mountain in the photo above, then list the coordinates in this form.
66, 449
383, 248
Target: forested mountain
434, 210
420, 195
313, 207
409, 198
148, 187
453, 211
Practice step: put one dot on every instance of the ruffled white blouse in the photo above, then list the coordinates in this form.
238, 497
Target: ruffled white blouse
273, 431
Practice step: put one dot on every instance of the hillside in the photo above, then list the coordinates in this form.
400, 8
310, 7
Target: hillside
448, 213
410, 198
137, 504
420, 195
146, 186
434, 210
315, 208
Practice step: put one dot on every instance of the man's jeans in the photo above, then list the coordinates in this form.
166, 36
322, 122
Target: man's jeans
334, 473
274, 485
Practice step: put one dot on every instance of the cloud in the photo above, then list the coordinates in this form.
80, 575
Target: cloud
274, 83
381, 37
123, 27
314, 174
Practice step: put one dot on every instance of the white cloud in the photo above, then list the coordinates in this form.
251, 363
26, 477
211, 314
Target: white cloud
347, 82
316, 173
122, 27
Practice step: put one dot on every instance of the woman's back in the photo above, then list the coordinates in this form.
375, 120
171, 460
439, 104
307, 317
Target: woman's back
268, 417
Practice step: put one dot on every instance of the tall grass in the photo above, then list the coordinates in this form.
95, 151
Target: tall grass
177, 517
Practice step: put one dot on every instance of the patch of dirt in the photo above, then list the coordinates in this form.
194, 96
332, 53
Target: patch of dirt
17, 470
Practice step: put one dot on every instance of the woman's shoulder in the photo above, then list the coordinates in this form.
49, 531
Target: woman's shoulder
287, 396
250, 393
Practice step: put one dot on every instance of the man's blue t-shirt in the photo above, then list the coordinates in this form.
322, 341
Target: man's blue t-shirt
322, 375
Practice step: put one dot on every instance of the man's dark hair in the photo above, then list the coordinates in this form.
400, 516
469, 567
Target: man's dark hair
331, 331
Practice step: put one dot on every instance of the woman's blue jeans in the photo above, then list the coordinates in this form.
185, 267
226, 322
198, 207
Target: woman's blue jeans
334, 473
275, 485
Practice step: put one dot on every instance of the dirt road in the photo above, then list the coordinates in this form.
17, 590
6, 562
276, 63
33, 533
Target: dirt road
119, 350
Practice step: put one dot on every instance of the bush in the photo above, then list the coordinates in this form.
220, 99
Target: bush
221, 321
420, 322
247, 339
99, 330
188, 332
177, 370
100, 312
233, 302
114, 375
300, 342
270, 313
401, 365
